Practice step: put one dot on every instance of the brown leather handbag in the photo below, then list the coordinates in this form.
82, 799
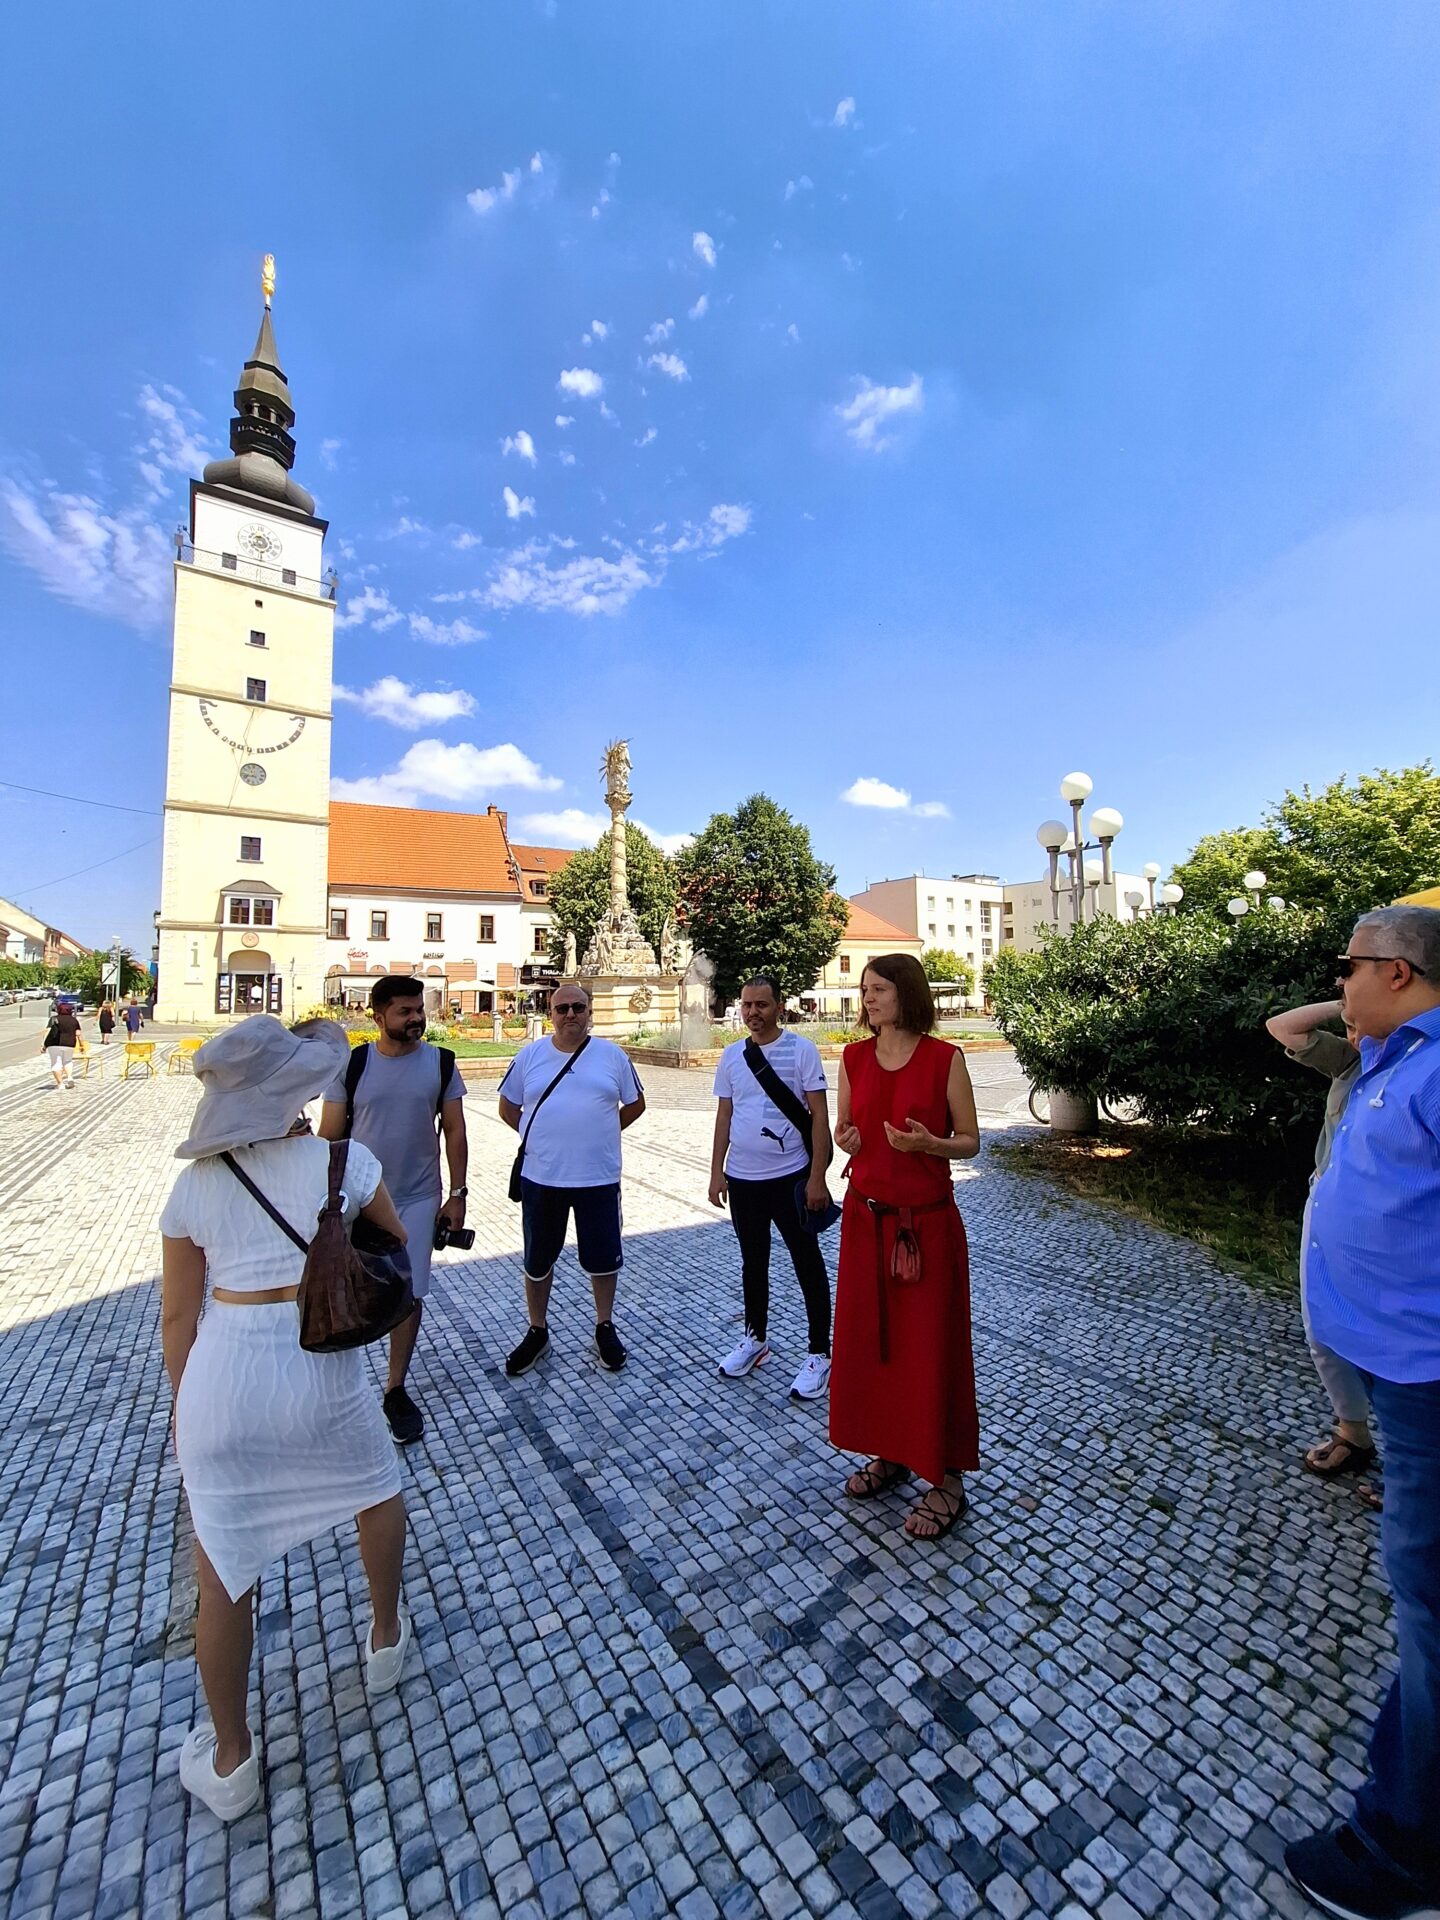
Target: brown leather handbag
356, 1284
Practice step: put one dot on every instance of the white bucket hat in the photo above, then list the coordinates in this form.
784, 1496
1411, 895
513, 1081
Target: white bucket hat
256, 1077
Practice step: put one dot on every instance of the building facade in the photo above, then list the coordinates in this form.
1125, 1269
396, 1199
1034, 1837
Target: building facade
25, 938
1029, 907
963, 914
836, 994
243, 913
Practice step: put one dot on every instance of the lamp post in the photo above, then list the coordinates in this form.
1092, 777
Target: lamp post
1057, 839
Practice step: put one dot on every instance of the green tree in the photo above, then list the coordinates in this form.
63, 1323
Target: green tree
83, 976
1351, 846
580, 892
943, 967
22, 973
755, 897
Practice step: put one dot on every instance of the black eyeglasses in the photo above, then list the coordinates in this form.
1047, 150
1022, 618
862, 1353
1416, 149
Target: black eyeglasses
1346, 963
570, 1006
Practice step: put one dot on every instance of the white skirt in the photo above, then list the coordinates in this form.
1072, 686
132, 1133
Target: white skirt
276, 1445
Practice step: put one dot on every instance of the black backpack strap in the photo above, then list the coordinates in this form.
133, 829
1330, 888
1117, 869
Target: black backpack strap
354, 1067
784, 1098
447, 1069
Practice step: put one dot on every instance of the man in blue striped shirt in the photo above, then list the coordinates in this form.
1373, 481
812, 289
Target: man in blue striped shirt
1373, 1273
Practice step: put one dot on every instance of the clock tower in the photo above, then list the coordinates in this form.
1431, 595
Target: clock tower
247, 786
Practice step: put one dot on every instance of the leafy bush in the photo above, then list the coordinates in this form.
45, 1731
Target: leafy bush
1169, 1012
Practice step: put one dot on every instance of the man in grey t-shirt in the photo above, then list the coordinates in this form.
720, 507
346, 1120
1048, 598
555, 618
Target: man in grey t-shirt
396, 1102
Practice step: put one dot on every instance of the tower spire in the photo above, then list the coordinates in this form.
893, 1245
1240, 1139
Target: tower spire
260, 440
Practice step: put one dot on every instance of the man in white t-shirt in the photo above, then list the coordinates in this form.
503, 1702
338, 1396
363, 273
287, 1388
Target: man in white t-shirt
570, 1096
760, 1157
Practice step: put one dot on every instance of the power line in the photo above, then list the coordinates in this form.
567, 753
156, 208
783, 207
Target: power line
90, 869
80, 801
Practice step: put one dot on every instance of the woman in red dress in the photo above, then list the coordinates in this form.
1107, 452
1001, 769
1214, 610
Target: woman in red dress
903, 1384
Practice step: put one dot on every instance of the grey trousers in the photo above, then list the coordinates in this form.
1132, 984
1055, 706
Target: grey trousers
1341, 1380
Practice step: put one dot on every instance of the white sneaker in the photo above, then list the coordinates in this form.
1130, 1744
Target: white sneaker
813, 1379
228, 1796
746, 1356
383, 1665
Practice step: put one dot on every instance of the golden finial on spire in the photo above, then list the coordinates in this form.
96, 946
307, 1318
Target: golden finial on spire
267, 277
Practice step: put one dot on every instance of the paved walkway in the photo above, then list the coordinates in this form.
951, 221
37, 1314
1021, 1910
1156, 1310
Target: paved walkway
662, 1666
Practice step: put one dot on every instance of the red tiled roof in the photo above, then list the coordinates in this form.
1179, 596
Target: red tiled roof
863, 925
417, 850
542, 859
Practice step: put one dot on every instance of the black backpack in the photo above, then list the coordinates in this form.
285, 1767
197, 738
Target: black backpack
355, 1066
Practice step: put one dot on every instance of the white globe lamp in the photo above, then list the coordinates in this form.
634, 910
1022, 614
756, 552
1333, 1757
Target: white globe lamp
1237, 908
1253, 881
1076, 786
1052, 835
1151, 870
1106, 822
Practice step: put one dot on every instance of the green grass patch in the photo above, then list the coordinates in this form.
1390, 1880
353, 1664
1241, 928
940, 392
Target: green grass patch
483, 1049
1241, 1201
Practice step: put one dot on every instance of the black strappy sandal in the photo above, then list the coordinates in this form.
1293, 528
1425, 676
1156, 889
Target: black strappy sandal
875, 1478
944, 1518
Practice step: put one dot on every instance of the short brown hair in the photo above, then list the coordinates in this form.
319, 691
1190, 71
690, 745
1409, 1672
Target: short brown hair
907, 976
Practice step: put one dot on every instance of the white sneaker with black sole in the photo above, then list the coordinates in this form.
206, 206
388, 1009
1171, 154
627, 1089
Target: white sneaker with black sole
229, 1796
745, 1358
812, 1382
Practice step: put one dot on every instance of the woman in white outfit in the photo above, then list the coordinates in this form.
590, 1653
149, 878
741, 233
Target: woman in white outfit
277, 1446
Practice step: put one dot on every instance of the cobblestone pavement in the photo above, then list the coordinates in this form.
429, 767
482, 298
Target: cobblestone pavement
662, 1666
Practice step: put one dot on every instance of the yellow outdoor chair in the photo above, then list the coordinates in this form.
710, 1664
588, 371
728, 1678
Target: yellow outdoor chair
139, 1053
182, 1055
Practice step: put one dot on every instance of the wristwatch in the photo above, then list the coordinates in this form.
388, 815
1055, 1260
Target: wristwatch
458, 1193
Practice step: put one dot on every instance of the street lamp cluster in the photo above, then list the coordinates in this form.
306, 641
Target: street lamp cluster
1084, 875
1254, 885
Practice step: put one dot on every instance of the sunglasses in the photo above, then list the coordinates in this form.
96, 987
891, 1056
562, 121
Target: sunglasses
570, 1006
1346, 963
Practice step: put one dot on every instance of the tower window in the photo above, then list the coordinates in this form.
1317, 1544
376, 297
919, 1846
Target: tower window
339, 920
249, 846
487, 926
287, 576
254, 689
378, 925
257, 638
229, 561
434, 927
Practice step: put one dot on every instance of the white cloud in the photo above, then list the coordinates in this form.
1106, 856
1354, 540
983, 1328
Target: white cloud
661, 330
646, 437
670, 364
371, 607
667, 842
486, 199
701, 307
403, 706
520, 443
464, 540
850, 263
844, 113
803, 185
724, 522
173, 444
600, 329
330, 454
602, 199
537, 164
515, 506
583, 382
792, 332
871, 406
443, 633
867, 792
111, 562
704, 247
433, 770
567, 459
564, 419
586, 585
570, 827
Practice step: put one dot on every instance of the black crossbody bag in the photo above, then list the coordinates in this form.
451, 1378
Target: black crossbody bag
515, 1193
788, 1102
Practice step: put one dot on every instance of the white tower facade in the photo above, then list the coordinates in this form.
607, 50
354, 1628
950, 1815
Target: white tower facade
247, 789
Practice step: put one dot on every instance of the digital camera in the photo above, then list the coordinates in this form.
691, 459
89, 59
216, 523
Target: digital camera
448, 1236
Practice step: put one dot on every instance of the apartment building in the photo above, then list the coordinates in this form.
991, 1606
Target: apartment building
963, 913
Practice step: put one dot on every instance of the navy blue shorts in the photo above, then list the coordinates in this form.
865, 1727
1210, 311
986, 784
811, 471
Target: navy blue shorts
545, 1215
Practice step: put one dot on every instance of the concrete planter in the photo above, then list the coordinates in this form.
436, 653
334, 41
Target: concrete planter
1073, 1113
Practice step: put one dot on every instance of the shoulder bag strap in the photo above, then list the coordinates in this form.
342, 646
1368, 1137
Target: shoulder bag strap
780, 1096
339, 1159
354, 1067
274, 1212
535, 1114
447, 1068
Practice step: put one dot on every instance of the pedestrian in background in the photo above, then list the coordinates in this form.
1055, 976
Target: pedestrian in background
1372, 1265
570, 1096
106, 1022
277, 1446
903, 1384
761, 1155
134, 1018
62, 1036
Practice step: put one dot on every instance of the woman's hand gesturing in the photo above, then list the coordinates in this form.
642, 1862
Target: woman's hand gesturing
914, 1139
847, 1137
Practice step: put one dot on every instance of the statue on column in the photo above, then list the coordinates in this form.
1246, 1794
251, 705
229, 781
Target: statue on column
618, 946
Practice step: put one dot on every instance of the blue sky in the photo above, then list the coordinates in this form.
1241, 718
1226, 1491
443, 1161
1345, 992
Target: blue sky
980, 391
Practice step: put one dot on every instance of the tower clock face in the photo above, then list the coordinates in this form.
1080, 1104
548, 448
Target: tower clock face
265, 732
259, 542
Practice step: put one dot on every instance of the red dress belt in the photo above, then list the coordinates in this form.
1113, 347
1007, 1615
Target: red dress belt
904, 1240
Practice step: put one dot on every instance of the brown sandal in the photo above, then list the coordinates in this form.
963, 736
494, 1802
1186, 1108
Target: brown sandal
1336, 1456
874, 1478
1371, 1496
953, 1507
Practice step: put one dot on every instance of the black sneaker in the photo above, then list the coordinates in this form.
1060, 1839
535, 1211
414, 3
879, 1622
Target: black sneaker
536, 1342
407, 1423
607, 1345
1341, 1876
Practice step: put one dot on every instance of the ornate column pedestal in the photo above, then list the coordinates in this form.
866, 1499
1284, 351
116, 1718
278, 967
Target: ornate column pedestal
623, 1003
